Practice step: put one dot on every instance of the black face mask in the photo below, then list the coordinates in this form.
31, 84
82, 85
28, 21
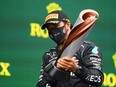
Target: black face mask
57, 35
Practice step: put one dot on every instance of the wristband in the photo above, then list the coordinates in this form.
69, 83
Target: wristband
79, 70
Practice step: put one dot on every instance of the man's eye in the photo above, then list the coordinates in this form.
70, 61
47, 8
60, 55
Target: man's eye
56, 26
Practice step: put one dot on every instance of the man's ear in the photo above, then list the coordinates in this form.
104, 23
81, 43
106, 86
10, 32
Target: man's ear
68, 24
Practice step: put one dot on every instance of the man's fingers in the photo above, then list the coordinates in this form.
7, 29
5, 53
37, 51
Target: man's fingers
62, 62
61, 66
71, 60
66, 59
68, 63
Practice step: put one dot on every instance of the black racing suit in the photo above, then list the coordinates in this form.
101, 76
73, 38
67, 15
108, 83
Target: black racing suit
91, 74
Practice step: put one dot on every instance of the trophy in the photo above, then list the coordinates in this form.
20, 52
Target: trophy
73, 42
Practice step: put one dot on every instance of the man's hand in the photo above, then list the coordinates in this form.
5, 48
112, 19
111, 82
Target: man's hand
66, 63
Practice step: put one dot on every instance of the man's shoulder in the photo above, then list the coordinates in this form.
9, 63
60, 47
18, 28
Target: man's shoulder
53, 49
89, 46
49, 55
88, 43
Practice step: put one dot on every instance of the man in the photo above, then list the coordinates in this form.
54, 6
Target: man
85, 67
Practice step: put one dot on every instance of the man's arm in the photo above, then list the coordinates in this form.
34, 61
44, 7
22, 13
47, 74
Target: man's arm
90, 69
87, 66
44, 79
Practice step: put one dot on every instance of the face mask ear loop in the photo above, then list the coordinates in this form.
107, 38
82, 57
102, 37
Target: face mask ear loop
66, 31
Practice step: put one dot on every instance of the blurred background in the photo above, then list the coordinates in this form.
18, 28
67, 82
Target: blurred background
23, 42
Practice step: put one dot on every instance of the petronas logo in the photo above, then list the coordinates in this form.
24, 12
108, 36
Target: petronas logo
95, 50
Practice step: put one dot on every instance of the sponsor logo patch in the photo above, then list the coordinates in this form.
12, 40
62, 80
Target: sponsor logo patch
95, 50
51, 16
